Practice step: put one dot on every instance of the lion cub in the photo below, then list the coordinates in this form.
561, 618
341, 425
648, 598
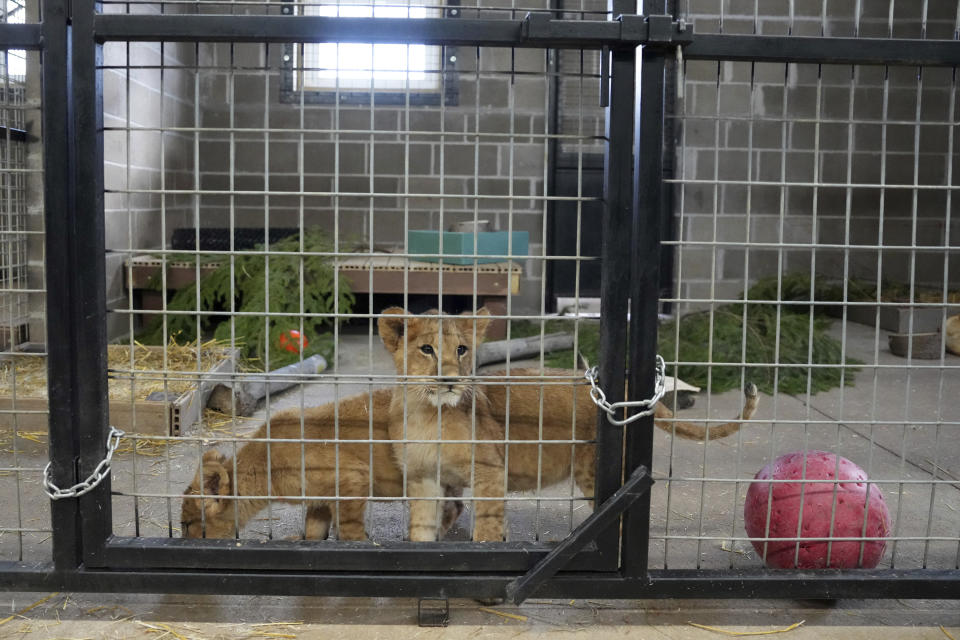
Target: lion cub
219, 514
437, 405
952, 329
448, 419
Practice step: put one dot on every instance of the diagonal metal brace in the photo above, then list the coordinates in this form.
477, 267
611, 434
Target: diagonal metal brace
637, 485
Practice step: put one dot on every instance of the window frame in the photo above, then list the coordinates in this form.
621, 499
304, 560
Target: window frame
448, 94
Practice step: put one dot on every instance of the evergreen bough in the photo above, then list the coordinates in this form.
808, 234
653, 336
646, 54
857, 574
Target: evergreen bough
258, 335
800, 340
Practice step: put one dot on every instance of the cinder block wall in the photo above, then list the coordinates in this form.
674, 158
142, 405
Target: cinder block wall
146, 87
136, 94
393, 166
359, 151
355, 150
758, 123
34, 181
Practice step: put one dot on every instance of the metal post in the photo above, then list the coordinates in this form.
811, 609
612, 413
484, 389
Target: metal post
553, 127
88, 276
644, 292
615, 259
61, 358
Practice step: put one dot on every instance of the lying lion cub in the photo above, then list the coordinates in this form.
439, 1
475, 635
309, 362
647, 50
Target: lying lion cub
220, 515
567, 412
952, 329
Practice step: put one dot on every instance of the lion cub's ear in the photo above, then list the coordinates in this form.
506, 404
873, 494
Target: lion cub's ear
212, 455
216, 482
482, 323
391, 329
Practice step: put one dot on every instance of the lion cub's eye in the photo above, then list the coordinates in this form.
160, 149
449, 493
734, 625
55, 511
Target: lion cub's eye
427, 349
462, 349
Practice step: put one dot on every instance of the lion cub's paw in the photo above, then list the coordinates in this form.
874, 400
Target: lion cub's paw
423, 534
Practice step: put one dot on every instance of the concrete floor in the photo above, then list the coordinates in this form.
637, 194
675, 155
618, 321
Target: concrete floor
175, 617
886, 423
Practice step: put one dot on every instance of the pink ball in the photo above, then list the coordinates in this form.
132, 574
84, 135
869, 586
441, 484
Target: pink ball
852, 502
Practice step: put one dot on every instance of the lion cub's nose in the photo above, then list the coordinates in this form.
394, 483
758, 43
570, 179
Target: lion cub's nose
449, 382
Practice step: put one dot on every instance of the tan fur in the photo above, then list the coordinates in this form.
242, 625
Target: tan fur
571, 403
224, 516
952, 330
435, 403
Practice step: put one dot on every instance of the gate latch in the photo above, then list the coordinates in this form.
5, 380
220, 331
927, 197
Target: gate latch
95, 478
647, 406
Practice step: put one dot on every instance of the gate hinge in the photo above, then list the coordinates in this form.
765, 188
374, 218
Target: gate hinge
625, 30
658, 30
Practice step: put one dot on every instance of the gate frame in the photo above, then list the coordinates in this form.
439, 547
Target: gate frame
87, 557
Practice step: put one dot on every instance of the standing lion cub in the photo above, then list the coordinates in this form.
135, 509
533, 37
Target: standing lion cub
450, 433
444, 433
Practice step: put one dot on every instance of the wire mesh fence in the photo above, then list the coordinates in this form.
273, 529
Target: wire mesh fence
255, 233
861, 19
25, 526
352, 291
815, 224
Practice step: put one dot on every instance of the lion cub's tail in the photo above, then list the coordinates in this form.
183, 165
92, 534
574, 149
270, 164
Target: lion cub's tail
690, 431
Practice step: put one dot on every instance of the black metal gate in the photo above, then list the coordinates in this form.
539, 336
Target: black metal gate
608, 555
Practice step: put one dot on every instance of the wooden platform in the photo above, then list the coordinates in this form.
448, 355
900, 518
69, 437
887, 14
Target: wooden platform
378, 273
394, 274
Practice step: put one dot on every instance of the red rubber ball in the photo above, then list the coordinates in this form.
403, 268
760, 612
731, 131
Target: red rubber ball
292, 341
857, 501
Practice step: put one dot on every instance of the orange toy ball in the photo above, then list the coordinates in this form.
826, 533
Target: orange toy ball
293, 341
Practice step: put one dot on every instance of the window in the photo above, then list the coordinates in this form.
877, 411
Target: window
14, 61
394, 73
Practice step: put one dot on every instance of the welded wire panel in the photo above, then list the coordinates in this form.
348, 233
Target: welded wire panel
914, 19
18, 12
25, 520
816, 226
258, 229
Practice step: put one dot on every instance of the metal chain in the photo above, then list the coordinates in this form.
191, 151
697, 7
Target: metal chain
648, 406
95, 478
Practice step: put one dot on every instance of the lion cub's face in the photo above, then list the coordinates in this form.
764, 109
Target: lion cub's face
208, 517
436, 350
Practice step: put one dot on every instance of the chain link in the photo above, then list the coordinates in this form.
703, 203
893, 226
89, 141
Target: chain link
95, 478
648, 406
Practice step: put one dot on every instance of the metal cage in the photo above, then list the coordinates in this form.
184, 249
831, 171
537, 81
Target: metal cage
749, 105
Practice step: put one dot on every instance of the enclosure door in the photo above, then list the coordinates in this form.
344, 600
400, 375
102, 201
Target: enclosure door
366, 170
